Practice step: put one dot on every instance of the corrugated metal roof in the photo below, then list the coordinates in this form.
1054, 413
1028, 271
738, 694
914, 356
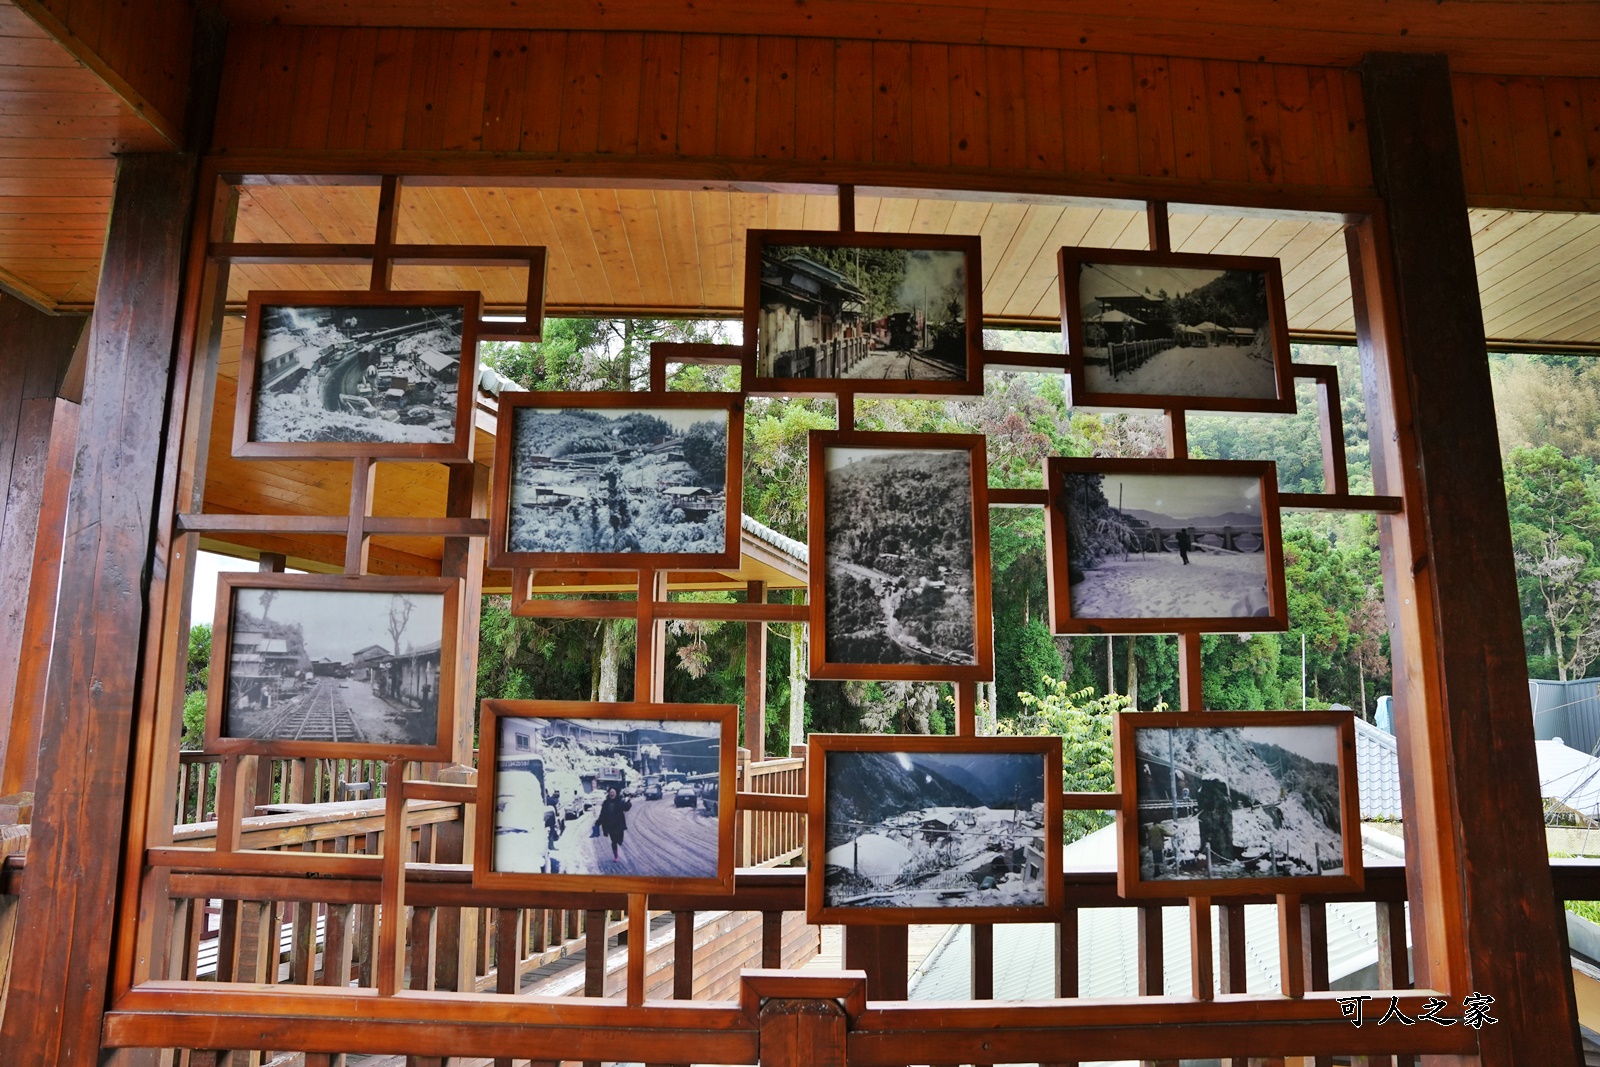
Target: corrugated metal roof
1108, 947
1378, 772
787, 545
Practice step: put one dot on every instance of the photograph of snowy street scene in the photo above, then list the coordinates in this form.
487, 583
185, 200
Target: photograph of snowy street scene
334, 666
357, 373
1176, 331
854, 311
1239, 802
1164, 546
632, 797
618, 480
899, 556
934, 829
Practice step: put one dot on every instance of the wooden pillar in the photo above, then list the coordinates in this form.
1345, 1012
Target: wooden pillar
882, 952
803, 1033
64, 939
38, 430
1484, 914
755, 677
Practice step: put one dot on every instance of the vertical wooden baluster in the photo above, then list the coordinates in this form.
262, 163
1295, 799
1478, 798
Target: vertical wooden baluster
982, 961
1314, 956
1394, 965
1230, 950
391, 918
772, 939
1291, 953
683, 955
508, 960
1201, 978
638, 943
357, 545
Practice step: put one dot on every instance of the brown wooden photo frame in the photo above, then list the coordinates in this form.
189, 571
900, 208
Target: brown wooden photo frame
1150, 781
932, 583
668, 818
373, 682
457, 449
853, 349
502, 556
1267, 614
1071, 261
922, 838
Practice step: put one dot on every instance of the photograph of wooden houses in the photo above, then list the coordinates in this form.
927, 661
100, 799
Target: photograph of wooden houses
862, 306
644, 477
323, 665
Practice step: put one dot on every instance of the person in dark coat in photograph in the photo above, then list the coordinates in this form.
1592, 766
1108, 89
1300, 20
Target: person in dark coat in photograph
613, 819
1185, 542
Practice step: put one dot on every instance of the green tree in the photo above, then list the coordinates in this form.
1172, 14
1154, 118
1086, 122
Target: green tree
1555, 520
196, 679
1084, 723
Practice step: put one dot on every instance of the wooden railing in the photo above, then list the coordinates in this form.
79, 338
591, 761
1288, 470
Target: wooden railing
773, 838
308, 781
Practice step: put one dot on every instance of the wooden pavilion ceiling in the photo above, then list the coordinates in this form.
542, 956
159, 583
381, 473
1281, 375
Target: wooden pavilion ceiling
681, 252
59, 126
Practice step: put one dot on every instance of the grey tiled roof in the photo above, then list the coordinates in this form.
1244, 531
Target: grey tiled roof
1378, 771
787, 545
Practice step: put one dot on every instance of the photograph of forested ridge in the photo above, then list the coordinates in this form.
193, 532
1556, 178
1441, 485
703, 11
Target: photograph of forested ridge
899, 556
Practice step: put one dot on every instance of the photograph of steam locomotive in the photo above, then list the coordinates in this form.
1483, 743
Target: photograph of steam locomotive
894, 309
904, 826
335, 373
1246, 797
632, 794
316, 664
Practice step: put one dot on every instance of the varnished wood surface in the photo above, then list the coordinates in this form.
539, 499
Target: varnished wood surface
58, 988
1491, 36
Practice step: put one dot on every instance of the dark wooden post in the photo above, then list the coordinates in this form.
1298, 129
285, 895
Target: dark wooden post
1484, 913
35, 349
64, 938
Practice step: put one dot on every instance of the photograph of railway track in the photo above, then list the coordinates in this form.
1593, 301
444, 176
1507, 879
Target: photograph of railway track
1161, 330
645, 479
336, 666
1175, 545
637, 798
1243, 802
918, 829
898, 556
357, 373
862, 310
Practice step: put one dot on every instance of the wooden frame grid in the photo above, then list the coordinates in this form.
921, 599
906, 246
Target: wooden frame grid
457, 450
483, 872
1071, 259
982, 667
500, 556
1130, 882
154, 1012
821, 746
1057, 549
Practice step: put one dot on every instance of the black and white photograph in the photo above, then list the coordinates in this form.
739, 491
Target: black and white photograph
917, 829
1239, 802
626, 480
898, 542
1165, 546
605, 796
1160, 329
356, 373
871, 309
335, 666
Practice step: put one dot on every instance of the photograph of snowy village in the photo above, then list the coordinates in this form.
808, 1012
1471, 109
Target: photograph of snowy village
1239, 802
618, 480
357, 373
629, 797
926, 829
854, 311
899, 556
317, 665
1176, 331
1164, 546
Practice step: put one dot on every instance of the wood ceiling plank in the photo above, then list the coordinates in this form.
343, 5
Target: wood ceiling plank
685, 272
579, 247
641, 221
1325, 293
1540, 268
1280, 240
532, 215
932, 216
822, 212
999, 227
969, 216
1528, 311
930, 105
1015, 257
1038, 293
1181, 226
1500, 226
658, 100
699, 57
1537, 244
720, 254
894, 214
604, 216
1555, 316
786, 211
1208, 232
1241, 236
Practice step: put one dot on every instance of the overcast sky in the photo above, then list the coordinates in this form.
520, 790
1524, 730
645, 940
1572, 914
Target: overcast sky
1184, 496
337, 624
1104, 279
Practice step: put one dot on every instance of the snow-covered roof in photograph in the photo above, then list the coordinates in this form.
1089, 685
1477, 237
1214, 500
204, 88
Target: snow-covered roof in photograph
1568, 776
1108, 938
